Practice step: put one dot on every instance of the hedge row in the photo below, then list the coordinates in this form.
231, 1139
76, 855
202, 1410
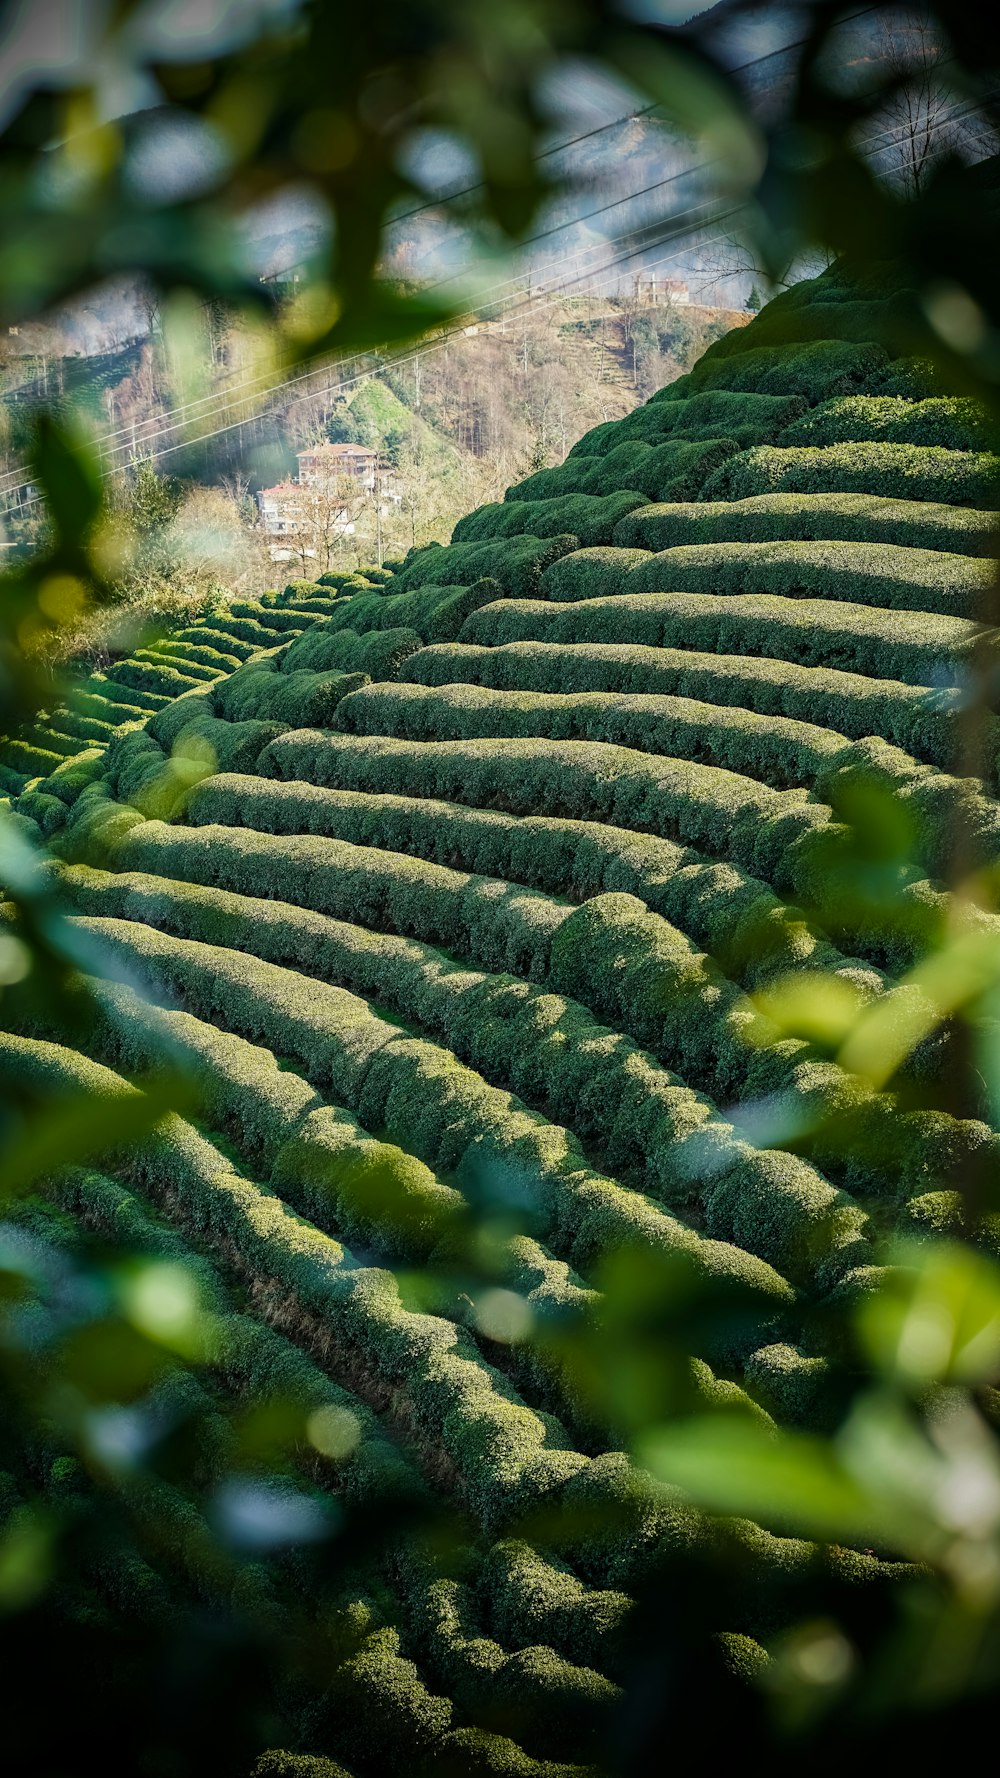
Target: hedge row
498, 924
807, 518
776, 749
948, 423
307, 699
251, 1358
744, 419
103, 686
883, 575
194, 671
502, 1452
435, 613
206, 635
909, 715
379, 653
447, 1114
731, 914
780, 835
551, 1050
515, 562
893, 471
166, 681
785, 324
591, 517
697, 805
926, 651
678, 469
815, 371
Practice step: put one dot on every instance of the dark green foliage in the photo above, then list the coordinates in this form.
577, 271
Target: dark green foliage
675, 470
819, 633
744, 419
953, 425
779, 518
379, 653
914, 718
815, 371
304, 699
515, 563
892, 471
879, 574
779, 751
591, 517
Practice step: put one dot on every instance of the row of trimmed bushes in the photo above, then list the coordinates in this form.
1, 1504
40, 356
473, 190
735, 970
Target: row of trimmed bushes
909, 715
809, 518
744, 419
953, 424
499, 924
379, 653
305, 699
436, 613
927, 650
590, 517
776, 749
552, 1052
816, 371
678, 469
697, 805
886, 576
733, 915
501, 1449
515, 562
893, 471
447, 1114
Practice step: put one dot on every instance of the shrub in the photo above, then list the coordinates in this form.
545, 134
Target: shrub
591, 517
782, 518
892, 471
878, 574
743, 419
815, 370
775, 749
953, 425
820, 633
516, 563
695, 804
909, 715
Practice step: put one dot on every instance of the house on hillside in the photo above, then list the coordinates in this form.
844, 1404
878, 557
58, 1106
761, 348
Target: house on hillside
304, 517
325, 463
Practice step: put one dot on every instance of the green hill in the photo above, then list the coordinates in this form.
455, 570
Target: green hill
466, 873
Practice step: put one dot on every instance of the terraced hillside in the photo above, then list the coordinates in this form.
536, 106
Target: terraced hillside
471, 879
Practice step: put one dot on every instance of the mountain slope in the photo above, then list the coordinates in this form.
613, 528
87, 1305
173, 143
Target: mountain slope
459, 879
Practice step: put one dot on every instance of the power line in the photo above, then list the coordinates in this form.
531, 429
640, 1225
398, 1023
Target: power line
224, 398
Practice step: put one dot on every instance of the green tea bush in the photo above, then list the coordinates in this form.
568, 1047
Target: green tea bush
883, 575
697, 805
773, 748
677, 469
379, 653
591, 517
815, 371
306, 698
893, 471
950, 424
783, 518
926, 651
516, 563
743, 419
918, 720
727, 911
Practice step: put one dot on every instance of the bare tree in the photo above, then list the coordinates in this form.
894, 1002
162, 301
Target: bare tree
919, 122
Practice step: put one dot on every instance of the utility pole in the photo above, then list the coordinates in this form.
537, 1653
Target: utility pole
378, 512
